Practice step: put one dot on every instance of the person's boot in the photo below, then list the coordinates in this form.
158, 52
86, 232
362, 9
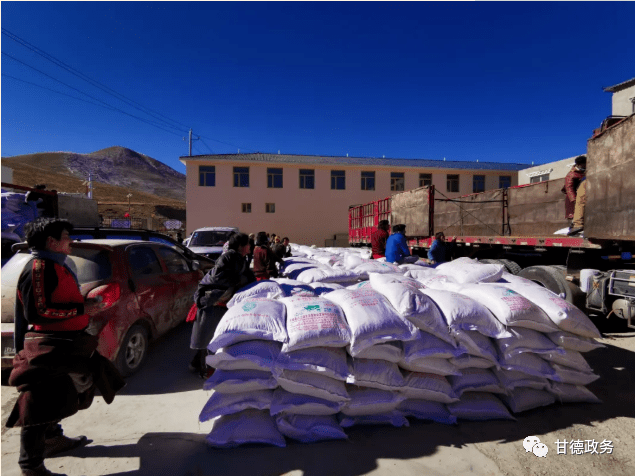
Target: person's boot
40, 471
575, 231
61, 443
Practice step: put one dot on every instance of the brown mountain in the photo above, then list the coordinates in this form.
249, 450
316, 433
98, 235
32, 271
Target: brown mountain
158, 191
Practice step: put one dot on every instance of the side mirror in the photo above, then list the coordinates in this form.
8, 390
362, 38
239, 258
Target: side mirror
196, 265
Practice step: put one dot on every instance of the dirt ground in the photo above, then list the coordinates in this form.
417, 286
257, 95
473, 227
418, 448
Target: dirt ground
152, 428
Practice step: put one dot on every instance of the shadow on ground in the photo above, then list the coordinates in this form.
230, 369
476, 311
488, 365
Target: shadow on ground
187, 454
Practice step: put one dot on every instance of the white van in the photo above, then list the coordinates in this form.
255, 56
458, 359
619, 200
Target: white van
209, 241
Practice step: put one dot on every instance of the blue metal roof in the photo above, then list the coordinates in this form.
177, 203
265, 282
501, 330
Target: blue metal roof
328, 160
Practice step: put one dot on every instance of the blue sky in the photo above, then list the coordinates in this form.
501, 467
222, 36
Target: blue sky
504, 82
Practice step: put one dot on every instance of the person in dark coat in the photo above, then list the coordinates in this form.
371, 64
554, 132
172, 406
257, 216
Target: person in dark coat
571, 183
265, 259
252, 245
57, 368
230, 273
378, 239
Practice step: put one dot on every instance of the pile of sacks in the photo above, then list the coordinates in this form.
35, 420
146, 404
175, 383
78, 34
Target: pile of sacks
306, 360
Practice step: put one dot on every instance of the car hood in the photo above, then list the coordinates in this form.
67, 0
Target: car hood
203, 250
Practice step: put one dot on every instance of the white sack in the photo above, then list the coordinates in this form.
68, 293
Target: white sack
375, 374
563, 314
466, 361
314, 322
511, 379
431, 387
426, 410
327, 361
240, 381
252, 319
323, 288
477, 344
260, 289
248, 426
568, 393
298, 404
248, 355
573, 342
428, 345
463, 272
418, 272
393, 418
369, 401
361, 284
228, 403
371, 318
312, 384
573, 376
310, 428
509, 307
430, 365
464, 313
390, 352
570, 358
530, 364
475, 380
523, 399
527, 340
479, 406
376, 267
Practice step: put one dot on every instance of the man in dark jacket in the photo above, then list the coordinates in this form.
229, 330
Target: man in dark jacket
265, 259
230, 273
378, 239
57, 368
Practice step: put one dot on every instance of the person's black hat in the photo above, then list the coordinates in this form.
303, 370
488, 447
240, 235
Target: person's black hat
580, 160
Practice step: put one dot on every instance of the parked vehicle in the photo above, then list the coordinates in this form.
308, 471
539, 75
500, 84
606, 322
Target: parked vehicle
146, 289
515, 227
209, 241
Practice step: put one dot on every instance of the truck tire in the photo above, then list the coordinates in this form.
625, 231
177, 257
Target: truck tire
550, 278
133, 350
512, 266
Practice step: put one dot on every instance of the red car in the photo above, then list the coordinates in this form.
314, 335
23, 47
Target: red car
146, 289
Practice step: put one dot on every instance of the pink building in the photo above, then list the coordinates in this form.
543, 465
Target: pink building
307, 197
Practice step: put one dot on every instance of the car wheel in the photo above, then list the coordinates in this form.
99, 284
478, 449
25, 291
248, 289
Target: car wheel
133, 350
550, 278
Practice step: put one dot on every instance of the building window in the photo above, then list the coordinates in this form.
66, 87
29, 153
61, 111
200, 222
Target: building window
425, 180
246, 207
478, 183
368, 180
241, 176
504, 181
397, 181
307, 178
270, 207
539, 178
274, 178
453, 183
206, 176
338, 180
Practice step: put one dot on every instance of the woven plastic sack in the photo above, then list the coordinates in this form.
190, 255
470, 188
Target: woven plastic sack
238, 381
527, 340
259, 289
479, 406
312, 384
393, 418
376, 267
327, 275
476, 344
523, 399
511, 379
418, 272
563, 314
327, 361
253, 319
298, 404
573, 376
428, 345
293, 287
569, 358
375, 374
570, 341
390, 352
431, 387
323, 288
310, 428
371, 318
475, 380
437, 281
352, 261
228, 403
292, 271
248, 355
509, 307
466, 361
567, 393
248, 426
430, 365
314, 322
370, 401
464, 272
530, 364
426, 410
464, 313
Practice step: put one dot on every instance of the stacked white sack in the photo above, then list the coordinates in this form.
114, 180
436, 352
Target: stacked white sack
245, 346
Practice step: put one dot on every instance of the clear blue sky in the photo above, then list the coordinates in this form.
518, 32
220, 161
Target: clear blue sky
504, 82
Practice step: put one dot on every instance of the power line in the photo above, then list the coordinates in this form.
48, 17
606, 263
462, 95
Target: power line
86, 78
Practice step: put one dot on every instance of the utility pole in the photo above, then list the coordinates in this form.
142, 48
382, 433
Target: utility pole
190, 141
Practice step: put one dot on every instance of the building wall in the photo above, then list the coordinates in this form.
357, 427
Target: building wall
556, 170
305, 216
621, 102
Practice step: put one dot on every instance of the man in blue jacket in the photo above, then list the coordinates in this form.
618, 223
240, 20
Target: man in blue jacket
397, 248
439, 251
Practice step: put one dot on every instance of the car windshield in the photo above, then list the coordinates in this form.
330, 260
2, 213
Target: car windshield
90, 265
209, 238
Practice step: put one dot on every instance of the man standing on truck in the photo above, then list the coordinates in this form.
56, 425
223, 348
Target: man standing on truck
397, 247
571, 183
378, 239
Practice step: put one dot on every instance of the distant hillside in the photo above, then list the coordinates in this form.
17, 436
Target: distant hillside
116, 166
